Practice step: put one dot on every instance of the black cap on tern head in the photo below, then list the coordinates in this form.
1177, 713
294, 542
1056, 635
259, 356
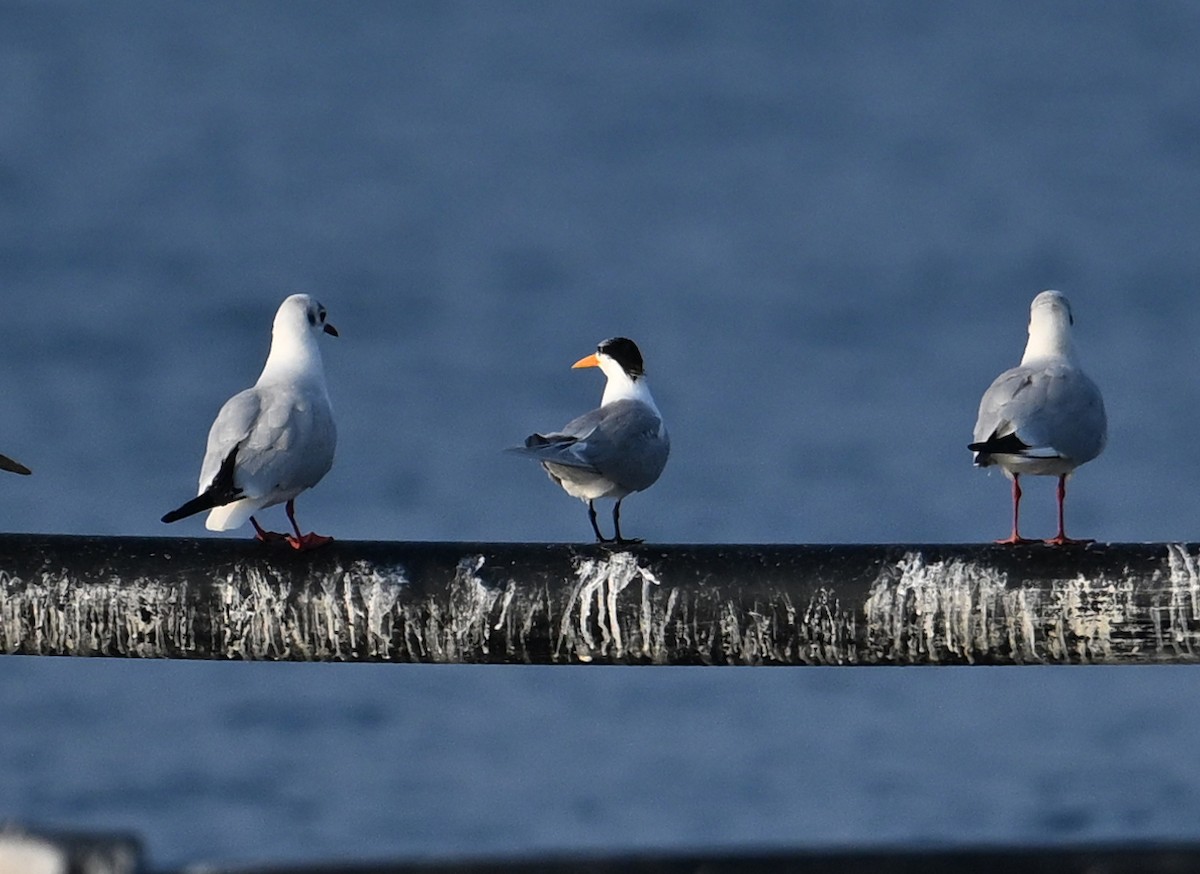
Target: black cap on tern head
626, 353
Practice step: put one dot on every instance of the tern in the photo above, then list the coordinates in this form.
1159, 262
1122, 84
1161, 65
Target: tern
1044, 417
272, 441
617, 449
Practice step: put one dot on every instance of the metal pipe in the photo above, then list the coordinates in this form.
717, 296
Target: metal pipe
569, 604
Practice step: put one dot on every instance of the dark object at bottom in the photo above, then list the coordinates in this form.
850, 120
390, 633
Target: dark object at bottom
1113, 860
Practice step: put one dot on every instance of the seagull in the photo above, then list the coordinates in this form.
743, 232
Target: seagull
271, 442
12, 466
1043, 417
615, 450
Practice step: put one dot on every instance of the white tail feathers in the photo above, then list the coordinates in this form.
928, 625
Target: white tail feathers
231, 516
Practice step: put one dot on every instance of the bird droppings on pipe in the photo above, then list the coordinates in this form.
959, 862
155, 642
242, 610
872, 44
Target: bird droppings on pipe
568, 604
598, 587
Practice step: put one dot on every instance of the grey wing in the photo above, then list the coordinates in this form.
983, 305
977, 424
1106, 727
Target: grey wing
563, 446
290, 447
285, 441
233, 424
624, 442
995, 407
1056, 410
637, 446
1073, 420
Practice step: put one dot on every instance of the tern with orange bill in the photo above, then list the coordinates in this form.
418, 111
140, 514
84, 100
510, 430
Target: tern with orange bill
617, 449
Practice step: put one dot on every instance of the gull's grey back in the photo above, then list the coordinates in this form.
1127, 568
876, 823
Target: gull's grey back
1054, 406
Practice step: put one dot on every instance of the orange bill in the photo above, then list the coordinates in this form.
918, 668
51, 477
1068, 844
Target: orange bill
590, 361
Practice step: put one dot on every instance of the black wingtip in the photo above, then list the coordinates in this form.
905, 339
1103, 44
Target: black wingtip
198, 504
537, 441
13, 466
1009, 444
221, 492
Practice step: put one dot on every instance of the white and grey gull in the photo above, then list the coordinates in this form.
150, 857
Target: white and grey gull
274, 440
619, 448
1044, 417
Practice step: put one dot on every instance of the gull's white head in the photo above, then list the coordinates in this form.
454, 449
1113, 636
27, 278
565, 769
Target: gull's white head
1050, 323
621, 361
299, 315
294, 351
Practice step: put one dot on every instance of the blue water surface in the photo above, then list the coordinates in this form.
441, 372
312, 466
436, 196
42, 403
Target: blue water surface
823, 223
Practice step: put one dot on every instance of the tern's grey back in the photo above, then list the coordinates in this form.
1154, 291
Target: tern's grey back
624, 442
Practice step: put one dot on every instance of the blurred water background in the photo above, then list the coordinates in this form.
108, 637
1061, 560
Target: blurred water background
823, 222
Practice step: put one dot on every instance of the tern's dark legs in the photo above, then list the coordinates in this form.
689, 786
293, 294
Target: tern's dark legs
600, 538
1016, 537
1061, 538
617, 525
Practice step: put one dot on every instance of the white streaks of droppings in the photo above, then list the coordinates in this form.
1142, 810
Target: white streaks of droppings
56, 613
379, 590
472, 602
256, 618
1182, 612
964, 611
939, 611
594, 603
263, 617
1082, 615
1023, 606
745, 634
829, 630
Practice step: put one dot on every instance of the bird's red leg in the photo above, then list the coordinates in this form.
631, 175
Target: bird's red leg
303, 541
1016, 537
1062, 538
264, 536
